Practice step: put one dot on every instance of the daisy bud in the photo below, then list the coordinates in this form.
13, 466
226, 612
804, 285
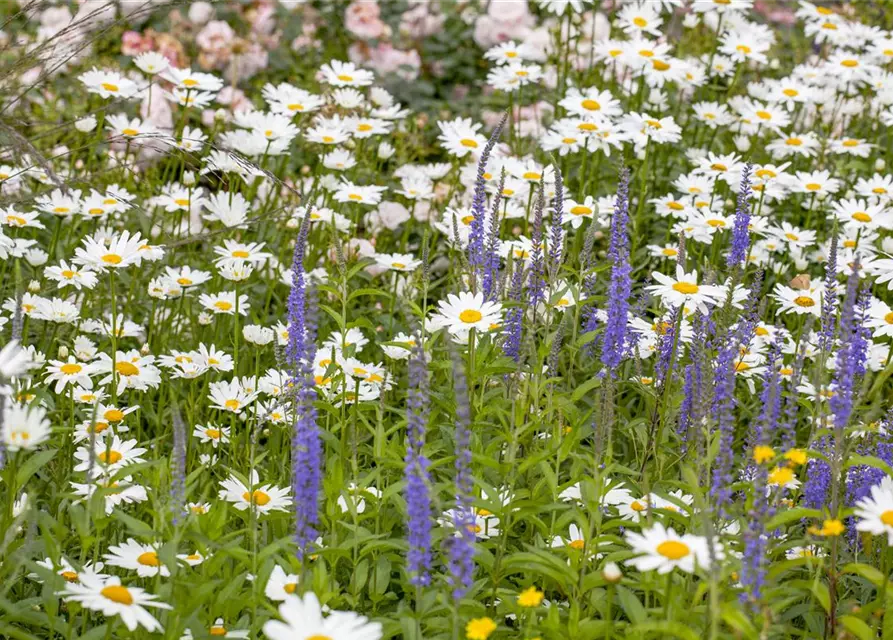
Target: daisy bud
612, 573
385, 151
690, 21
305, 170
63, 352
34, 286
879, 164
145, 350
85, 125
204, 318
742, 143
189, 178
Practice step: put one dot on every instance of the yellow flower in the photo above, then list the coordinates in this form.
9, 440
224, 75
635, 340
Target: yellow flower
480, 628
796, 456
762, 453
832, 528
530, 597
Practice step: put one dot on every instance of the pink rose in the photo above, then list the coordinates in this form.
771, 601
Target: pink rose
363, 20
216, 36
134, 43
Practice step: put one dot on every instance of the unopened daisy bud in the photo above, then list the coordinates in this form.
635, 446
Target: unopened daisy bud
189, 178
305, 170
204, 318
293, 223
612, 573
879, 164
34, 286
742, 143
86, 124
36, 257
385, 151
63, 351
690, 21
145, 350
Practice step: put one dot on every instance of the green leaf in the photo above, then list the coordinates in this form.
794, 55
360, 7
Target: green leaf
631, 605
32, 464
857, 627
665, 629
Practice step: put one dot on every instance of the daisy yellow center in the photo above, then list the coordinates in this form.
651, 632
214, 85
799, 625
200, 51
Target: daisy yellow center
16, 220
577, 544
590, 105
319, 636
637, 506
71, 368
804, 301
129, 132
256, 497
640, 22
791, 93
354, 196
792, 237
70, 576
217, 630
743, 48
109, 457
581, 210
813, 186
345, 78
654, 123
716, 223
879, 190
328, 139
241, 254
184, 282
850, 143
223, 305
364, 127
887, 518
99, 427
96, 211
232, 405
781, 476
127, 369
61, 210
675, 206
793, 142
716, 166
764, 115
646, 53
669, 252
398, 265
114, 415
108, 86
213, 433
291, 587
889, 318
296, 107
587, 126
117, 593
673, 549
659, 65
149, 559
849, 63
861, 216
470, 316
568, 140
469, 143
531, 175
189, 82
686, 288
765, 173
112, 258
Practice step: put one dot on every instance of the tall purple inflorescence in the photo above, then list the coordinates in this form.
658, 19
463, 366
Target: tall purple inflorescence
614, 341
418, 481
556, 241
306, 449
536, 290
741, 231
477, 234
514, 317
492, 259
829, 299
460, 546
